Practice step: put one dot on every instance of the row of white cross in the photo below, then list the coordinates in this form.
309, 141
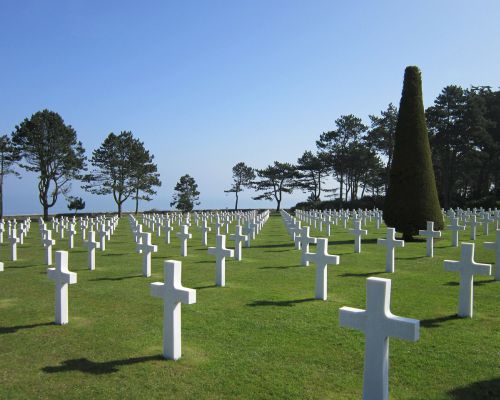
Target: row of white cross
377, 322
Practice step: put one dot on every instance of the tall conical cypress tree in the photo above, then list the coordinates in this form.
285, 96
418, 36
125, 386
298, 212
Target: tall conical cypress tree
412, 195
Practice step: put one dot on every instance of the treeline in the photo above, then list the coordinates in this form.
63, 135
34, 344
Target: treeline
464, 133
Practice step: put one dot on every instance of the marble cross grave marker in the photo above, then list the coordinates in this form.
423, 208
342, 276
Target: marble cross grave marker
322, 259
454, 228
173, 294
495, 246
391, 243
92, 245
305, 241
220, 252
48, 242
429, 235
238, 239
357, 232
378, 324
467, 268
183, 236
62, 278
146, 248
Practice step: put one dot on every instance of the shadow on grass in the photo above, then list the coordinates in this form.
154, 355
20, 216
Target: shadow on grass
436, 322
340, 242
279, 303
97, 368
120, 278
283, 267
363, 274
266, 246
13, 329
476, 283
276, 251
484, 390
205, 287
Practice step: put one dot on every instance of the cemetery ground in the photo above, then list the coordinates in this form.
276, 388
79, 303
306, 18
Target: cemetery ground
261, 336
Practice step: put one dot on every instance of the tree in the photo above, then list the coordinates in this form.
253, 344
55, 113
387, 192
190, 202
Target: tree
75, 203
187, 195
274, 180
51, 149
335, 144
115, 168
9, 155
145, 175
311, 171
412, 198
380, 137
242, 177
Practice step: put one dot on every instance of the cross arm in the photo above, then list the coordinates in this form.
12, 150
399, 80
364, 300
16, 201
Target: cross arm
186, 295
354, 318
403, 328
157, 289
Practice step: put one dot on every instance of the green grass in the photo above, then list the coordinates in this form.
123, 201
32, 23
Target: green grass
260, 337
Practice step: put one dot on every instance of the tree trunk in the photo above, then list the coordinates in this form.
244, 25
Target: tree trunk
236, 205
1, 196
278, 204
119, 210
136, 201
45, 212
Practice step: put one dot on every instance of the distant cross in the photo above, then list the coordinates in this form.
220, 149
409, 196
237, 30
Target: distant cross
220, 252
357, 232
391, 243
473, 223
48, 242
92, 245
378, 220
62, 278
322, 259
297, 229
495, 246
173, 294
168, 228
487, 219
204, 232
305, 241
454, 228
14, 240
102, 237
378, 324
238, 238
146, 248
71, 233
183, 236
218, 225
467, 268
429, 235
247, 230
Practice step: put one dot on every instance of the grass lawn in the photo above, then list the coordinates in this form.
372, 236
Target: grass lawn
263, 336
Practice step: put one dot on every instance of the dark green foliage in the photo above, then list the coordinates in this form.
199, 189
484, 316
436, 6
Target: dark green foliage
51, 149
242, 177
76, 203
187, 195
145, 176
412, 196
311, 172
9, 155
274, 180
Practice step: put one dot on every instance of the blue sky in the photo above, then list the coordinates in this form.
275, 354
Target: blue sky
206, 84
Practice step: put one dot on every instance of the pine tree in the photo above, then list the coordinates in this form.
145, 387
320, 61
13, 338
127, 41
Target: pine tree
412, 195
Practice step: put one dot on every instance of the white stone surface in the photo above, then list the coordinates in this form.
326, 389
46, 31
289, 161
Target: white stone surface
305, 241
183, 236
48, 242
91, 245
455, 227
14, 240
390, 242
495, 246
146, 248
429, 235
173, 295
238, 239
357, 232
467, 268
378, 324
322, 259
220, 252
62, 278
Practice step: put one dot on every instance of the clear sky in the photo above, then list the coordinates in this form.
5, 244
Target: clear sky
206, 84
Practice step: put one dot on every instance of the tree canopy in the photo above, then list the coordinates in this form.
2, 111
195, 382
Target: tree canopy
187, 194
242, 177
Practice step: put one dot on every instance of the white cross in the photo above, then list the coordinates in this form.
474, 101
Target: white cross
183, 236
378, 324
220, 252
146, 248
495, 246
322, 259
467, 268
91, 244
305, 241
486, 223
357, 231
473, 223
14, 240
173, 294
168, 228
429, 235
48, 242
204, 232
238, 238
247, 230
71, 233
102, 237
62, 278
391, 243
454, 228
